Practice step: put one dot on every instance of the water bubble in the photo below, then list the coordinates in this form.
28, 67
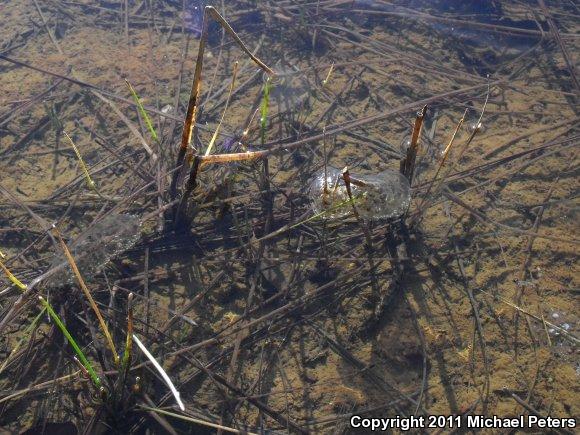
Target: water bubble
405, 144
380, 196
93, 249
472, 126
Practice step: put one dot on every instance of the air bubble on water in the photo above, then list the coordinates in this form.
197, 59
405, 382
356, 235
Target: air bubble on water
405, 144
475, 124
382, 196
109, 237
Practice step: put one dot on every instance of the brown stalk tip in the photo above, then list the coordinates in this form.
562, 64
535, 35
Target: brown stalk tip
346, 174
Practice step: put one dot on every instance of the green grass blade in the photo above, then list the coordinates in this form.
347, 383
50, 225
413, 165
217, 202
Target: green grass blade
90, 183
12, 278
142, 112
264, 109
129, 341
84, 361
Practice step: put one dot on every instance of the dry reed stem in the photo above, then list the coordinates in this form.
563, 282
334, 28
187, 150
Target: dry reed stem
197, 421
88, 295
446, 151
193, 106
407, 165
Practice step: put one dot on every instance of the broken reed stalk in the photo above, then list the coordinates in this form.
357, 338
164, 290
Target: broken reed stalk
348, 180
441, 163
407, 165
189, 127
326, 80
88, 295
426, 200
475, 131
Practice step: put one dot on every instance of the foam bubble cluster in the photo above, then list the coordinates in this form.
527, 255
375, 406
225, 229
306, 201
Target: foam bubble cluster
379, 196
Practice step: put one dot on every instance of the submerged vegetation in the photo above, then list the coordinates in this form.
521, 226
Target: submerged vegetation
257, 252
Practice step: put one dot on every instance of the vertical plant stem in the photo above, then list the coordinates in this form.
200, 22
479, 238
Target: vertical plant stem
189, 126
408, 163
129, 341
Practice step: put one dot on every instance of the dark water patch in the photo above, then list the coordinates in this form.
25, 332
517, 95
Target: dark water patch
193, 17
480, 32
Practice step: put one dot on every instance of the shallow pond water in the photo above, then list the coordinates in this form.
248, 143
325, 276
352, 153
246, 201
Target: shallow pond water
270, 308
